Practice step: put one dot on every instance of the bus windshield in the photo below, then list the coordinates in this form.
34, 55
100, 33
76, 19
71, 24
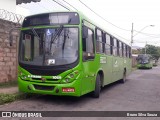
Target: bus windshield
143, 59
49, 47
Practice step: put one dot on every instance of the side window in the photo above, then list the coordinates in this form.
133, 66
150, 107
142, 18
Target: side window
130, 54
108, 44
114, 47
118, 54
111, 41
120, 49
99, 46
124, 50
88, 45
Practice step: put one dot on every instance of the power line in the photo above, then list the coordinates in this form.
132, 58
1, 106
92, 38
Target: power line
121, 37
70, 5
148, 36
157, 41
61, 4
146, 33
103, 18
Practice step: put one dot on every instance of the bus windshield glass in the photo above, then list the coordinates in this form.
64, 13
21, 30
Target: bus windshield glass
49, 47
143, 59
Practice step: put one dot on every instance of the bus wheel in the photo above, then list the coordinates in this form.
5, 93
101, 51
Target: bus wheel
96, 92
123, 80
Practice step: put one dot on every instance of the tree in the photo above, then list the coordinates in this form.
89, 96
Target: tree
137, 51
153, 51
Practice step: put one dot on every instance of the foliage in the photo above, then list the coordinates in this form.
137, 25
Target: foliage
6, 98
137, 51
153, 51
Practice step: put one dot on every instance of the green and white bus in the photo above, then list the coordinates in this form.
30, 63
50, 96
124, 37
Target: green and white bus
65, 53
144, 61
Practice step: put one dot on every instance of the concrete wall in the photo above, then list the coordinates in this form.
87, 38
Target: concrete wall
8, 55
9, 5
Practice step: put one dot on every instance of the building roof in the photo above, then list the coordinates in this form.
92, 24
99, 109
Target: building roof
26, 1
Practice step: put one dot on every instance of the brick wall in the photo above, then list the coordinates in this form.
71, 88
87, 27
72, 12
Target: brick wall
8, 54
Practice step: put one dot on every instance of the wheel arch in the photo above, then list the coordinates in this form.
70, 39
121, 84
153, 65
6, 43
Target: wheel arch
101, 73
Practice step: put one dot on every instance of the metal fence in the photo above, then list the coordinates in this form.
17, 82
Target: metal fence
9, 16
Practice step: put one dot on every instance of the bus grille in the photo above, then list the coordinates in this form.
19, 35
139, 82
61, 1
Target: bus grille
42, 87
46, 79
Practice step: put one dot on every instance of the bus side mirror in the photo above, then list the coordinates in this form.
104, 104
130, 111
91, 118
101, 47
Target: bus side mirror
84, 32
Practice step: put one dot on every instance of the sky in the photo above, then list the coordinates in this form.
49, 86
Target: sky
118, 14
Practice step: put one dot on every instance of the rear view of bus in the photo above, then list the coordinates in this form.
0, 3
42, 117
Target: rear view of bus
49, 54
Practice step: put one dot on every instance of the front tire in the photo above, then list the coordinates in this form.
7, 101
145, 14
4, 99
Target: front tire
96, 92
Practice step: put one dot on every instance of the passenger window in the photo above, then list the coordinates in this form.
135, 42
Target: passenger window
126, 51
108, 45
99, 46
130, 54
88, 46
118, 48
122, 50
114, 47
111, 45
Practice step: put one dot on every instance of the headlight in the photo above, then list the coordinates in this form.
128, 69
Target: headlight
23, 77
67, 80
71, 77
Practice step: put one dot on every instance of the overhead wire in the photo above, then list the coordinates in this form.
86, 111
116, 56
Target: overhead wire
70, 5
146, 33
102, 17
107, 21
61, 5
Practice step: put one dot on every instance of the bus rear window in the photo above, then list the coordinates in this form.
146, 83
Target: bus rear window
51, 19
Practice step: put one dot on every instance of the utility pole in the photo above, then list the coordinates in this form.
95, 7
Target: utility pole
132, 35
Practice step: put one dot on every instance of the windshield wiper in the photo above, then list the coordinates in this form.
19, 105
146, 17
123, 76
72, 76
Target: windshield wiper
57, 33
65, 36
35, 33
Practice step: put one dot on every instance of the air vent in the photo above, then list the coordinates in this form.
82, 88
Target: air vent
42, 87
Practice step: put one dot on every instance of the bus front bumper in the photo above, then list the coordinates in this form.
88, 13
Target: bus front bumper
68, 89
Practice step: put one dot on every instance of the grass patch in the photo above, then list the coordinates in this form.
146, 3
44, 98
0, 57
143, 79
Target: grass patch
9, 84
7, 98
